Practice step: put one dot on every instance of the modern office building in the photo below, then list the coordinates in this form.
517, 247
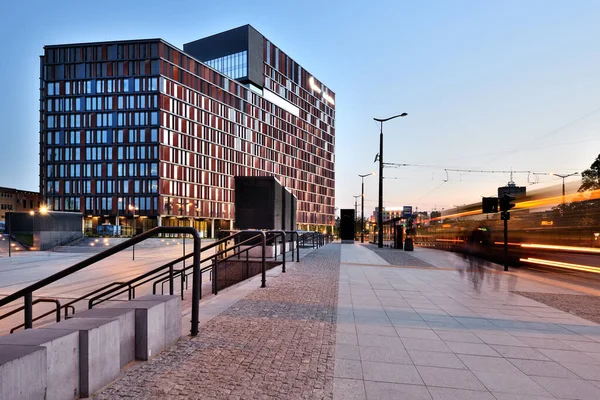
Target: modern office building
141, 130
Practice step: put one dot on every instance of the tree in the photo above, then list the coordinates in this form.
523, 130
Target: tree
590, 178
582, 211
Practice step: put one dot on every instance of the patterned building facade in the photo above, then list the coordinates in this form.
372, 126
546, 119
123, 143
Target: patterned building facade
141, 130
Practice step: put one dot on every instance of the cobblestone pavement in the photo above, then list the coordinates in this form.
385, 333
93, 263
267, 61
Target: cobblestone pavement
276, 343
398, 257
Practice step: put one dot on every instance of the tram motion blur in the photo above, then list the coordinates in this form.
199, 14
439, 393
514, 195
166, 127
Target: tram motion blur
549, 230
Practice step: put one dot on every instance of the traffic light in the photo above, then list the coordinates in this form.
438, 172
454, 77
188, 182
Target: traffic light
506, 202
489, 205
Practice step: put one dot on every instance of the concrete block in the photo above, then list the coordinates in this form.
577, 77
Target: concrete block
157, 323
172, 315
62, 358
149, 326
126, 328
99, 350
22, 372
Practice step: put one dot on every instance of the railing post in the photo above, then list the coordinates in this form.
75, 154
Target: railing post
216, 273
171, 288
57, 311
184, 250
247, 264
182, 281
283, 241
292, 245
196, 287
28, 297
264, 261
297, 247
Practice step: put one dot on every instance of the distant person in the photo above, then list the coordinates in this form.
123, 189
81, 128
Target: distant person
477, 244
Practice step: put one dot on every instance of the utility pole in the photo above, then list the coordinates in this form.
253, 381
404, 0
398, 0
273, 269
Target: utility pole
362, 207
563, 176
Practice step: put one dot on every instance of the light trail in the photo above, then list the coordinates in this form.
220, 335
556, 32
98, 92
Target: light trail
577, 267
555, 247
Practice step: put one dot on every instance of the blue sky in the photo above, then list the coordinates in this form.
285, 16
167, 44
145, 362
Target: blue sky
488, 85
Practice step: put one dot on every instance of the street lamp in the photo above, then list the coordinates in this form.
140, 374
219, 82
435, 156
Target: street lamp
119, 201
563, 184
132, 208
362, 207
457, 209
380, 211
355, 212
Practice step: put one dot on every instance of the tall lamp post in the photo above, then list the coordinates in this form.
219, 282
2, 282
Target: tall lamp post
380, 211
132, 208
355, 213
563, 184
362, 207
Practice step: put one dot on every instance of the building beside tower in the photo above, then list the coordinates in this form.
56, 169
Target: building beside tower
142, 130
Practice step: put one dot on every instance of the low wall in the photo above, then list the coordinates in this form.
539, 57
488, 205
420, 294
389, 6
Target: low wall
234, 271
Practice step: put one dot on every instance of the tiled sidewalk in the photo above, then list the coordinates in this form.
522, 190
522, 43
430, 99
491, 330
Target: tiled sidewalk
417, 333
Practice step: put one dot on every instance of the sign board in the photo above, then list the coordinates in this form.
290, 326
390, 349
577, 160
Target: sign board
512, 190
489, 205
406, 211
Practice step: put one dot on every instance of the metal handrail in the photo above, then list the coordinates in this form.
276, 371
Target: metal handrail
27, 292
114, 292
283, 241
66, 306
297, 247
42, 300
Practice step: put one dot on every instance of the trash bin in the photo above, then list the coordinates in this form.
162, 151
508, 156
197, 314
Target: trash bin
398, 237
408, 244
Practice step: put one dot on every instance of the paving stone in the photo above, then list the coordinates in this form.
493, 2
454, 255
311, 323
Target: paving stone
381, 354
348, 389
552, 369
393, 373
480, 349
458, 336
435, 359
450, 378
347, 351
514, 382
485, 363
459, 394
387, 391
569, 388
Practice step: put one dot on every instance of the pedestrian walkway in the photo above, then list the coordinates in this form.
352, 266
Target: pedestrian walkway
406, 333
344, 323
276, 342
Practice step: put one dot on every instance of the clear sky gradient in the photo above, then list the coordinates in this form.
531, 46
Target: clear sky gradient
488, 85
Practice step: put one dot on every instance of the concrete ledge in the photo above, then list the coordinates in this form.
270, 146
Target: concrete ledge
62, 358
172, 315
126, 328
157, 323
99, 350
22, 372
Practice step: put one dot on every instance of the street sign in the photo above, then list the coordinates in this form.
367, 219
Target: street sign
406, 211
